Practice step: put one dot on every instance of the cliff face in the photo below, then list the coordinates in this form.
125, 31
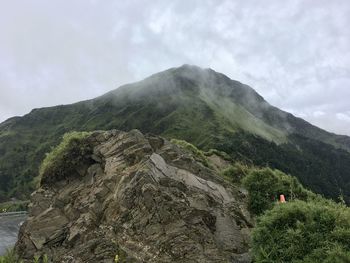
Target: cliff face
139, 199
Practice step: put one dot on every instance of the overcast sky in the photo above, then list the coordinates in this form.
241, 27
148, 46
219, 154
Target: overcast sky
295, 53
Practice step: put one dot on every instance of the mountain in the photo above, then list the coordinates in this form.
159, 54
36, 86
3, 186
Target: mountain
198, 105
136, 198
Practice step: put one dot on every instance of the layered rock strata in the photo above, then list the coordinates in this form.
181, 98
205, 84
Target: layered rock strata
138, 199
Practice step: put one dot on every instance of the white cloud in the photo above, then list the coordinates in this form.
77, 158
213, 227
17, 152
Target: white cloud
318, 113
343, 116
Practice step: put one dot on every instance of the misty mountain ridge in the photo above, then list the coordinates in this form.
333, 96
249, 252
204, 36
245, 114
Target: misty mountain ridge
218, 91
198, 105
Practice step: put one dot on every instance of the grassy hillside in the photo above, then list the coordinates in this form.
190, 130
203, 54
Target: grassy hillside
200, 106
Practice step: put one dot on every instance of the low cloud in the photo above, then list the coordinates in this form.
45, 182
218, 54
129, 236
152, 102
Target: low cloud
343, 116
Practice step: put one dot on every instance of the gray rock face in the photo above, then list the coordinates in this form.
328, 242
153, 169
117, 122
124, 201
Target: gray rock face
142, 200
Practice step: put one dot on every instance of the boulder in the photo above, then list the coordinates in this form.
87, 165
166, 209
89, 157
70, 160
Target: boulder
142, 199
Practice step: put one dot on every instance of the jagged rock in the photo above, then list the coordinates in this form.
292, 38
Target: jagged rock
143, 199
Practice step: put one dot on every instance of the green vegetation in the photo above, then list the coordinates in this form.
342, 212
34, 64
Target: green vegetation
318, 166
66, 158
224, 108
11, 257
222, 154
305, 229
13, 206
236, 172
266, 185
303, 232
198, 154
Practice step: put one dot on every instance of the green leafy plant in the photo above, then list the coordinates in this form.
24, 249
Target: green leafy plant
10, 257
36, 259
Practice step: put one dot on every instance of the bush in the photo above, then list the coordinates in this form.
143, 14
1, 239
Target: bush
266, 185
303, 232
66, 158
222, 154
236, 172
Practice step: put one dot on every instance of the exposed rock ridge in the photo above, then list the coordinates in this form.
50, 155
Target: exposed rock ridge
143, 199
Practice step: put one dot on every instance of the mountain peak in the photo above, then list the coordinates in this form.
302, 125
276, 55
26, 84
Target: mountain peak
198, 105
188, 71
192, 67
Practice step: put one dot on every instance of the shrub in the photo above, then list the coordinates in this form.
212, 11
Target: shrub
265, 185
64, 160
236, 172
222, 154
303, 232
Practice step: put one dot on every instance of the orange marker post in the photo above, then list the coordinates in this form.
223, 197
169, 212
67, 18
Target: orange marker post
282, 199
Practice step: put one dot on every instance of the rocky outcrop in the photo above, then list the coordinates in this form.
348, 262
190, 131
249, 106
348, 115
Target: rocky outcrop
141, 199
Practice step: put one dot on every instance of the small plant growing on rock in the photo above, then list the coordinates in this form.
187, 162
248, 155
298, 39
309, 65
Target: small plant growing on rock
10, 257
65, 159
198, 154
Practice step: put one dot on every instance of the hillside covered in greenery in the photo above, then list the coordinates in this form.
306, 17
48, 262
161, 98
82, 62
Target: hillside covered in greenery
198, 105
305, 229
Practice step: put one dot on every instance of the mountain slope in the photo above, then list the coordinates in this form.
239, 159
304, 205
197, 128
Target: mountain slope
201, 106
